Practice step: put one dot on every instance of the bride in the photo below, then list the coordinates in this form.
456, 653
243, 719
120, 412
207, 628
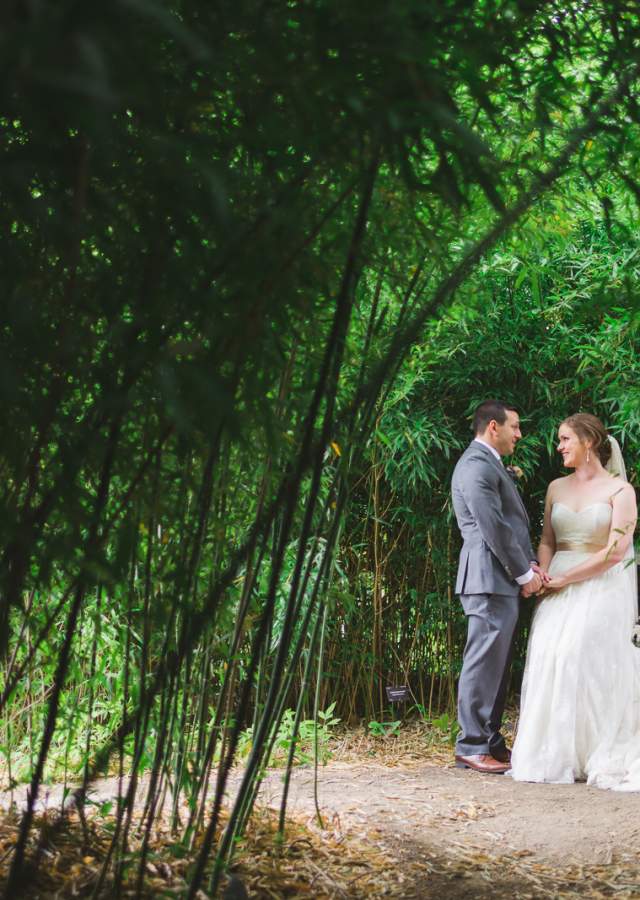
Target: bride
580, 708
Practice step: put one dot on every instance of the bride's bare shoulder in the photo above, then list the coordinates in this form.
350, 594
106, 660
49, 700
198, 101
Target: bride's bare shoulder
558, 486
564, 479
618, 487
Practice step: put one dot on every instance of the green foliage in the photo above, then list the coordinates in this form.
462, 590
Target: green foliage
303, 742
238, 237
446, 727
571, 343
384, 729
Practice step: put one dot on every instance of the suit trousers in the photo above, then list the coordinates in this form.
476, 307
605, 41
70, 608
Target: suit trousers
482, 688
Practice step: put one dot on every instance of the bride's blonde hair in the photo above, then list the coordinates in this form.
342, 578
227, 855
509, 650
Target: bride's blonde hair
590, 428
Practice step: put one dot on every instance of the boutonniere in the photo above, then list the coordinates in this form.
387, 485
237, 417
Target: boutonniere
515, 472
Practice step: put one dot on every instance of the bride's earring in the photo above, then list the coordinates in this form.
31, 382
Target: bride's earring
588, 454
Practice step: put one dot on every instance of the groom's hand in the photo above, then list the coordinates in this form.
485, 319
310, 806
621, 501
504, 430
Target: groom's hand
532, 587
541, 572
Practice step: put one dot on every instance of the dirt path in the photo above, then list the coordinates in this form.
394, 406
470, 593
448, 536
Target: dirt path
453, 833
459, 835
438, 806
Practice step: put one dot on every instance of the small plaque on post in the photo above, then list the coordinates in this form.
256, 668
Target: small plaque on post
397, 694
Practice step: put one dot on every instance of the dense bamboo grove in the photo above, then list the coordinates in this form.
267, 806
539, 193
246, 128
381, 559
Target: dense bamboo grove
260, 262
553, 337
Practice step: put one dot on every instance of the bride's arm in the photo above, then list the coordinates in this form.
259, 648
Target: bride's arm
547, 546
623, 523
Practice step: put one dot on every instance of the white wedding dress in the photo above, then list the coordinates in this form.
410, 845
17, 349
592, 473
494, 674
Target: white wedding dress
580, 707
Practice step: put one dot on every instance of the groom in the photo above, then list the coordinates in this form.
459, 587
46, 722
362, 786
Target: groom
496, 564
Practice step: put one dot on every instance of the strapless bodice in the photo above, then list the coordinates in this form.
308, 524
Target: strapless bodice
590, 525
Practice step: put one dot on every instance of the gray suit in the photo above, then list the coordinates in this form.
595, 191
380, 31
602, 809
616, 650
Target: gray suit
496, 549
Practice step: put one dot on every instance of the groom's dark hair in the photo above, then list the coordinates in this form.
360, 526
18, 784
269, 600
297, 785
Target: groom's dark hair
488, 410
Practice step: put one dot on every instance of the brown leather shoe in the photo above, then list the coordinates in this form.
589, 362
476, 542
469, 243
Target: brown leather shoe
502, 754
482, 763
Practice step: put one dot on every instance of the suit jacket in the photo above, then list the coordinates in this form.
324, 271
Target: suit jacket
493, 522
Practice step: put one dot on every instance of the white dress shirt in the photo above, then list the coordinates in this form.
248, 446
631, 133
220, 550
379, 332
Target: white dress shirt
493, 449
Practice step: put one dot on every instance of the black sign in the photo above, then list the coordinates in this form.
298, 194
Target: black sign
397, 694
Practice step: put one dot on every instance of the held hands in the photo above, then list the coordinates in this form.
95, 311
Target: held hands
541, 572
531, 587
555, 583
548, 583
539, 584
